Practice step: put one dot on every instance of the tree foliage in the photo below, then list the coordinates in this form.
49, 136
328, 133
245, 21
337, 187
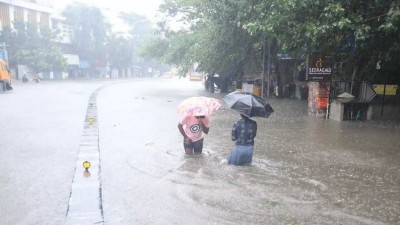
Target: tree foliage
357, 33
140, 32
213, 36
90, 31
120, 52
33, 46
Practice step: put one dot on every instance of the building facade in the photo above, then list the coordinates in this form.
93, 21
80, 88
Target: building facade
24, 11
40, 12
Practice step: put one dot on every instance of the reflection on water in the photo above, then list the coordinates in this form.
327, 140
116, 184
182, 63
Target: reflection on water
305, 171
86, 173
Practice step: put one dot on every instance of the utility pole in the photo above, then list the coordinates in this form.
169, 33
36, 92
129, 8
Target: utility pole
263, 65
268, 67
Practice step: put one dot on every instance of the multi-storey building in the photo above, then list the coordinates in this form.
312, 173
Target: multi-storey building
65, 42
40, 12
24, 11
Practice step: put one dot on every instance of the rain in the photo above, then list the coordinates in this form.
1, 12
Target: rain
304, 170
89, 127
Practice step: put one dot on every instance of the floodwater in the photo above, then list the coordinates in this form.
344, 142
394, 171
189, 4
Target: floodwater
305, 170
315, 171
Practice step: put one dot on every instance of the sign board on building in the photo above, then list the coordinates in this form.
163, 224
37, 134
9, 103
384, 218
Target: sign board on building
83, 64
380, 89
72, 59
319, 67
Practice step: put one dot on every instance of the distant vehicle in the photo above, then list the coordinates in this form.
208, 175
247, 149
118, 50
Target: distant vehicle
196, 76
5, 78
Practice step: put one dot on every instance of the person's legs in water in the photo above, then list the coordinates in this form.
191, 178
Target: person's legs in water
198, 146
241, 155
8, 86
188, 146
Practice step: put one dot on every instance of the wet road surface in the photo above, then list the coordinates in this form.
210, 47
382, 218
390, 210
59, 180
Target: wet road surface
40, 129
305, 170
315, 171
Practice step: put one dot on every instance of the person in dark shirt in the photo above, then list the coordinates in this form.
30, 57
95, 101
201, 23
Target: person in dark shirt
243, 133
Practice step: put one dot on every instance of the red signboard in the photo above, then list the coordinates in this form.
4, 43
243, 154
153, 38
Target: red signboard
322, 102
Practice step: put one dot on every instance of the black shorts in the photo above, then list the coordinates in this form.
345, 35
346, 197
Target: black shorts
197, 146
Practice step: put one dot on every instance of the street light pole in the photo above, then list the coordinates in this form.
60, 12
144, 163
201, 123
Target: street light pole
263, 65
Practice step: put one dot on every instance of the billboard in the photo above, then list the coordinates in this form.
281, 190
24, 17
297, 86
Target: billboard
319, 67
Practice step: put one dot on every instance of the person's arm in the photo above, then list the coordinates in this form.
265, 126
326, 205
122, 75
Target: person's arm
180, 128
185, 137
233, 136
205, 125
255, 129
205, 129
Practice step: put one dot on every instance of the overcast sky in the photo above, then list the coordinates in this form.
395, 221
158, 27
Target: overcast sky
111, 8
144, 7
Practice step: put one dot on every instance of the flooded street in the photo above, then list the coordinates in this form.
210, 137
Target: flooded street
94, 126
305, 170
315, 171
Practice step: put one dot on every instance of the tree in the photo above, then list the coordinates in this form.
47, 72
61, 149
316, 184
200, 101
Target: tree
90, 29
140, 33
357, 33
120, 52
213, 36
33, 46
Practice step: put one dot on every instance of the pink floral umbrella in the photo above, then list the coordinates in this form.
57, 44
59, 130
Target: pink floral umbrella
199, 106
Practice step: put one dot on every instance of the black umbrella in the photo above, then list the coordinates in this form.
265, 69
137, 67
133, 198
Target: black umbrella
248, 104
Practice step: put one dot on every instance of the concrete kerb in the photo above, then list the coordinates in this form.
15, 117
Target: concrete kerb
85, 203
